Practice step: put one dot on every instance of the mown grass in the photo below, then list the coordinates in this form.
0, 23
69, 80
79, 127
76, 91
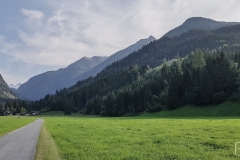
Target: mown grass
46, 147
186, 133
11, 123
120, 138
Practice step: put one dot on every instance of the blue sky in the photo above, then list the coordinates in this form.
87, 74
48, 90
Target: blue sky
42, 35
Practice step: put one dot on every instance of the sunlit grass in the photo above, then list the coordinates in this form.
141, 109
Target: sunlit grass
140, 138
11, 123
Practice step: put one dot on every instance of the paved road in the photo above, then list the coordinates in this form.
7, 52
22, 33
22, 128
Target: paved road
20, 144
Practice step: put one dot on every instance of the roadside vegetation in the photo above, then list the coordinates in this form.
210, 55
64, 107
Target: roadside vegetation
11, 123
46, 147
163, 135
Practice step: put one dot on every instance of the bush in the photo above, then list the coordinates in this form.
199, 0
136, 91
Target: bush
219, 97
155, 108
120, 113
103, 113
234, 97
83, 111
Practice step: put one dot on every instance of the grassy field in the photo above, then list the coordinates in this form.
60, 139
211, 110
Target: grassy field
11, 123
130, 138
164, 135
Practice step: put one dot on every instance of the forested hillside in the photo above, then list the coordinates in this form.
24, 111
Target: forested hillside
155, 52
203, 78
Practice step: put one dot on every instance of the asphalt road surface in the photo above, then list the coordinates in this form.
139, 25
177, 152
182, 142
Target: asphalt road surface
20, 144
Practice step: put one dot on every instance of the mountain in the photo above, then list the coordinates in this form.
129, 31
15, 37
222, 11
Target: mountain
166, 48
5, 91
38, 86
14, 86
204, 73
198, 23
48, 82
115, 57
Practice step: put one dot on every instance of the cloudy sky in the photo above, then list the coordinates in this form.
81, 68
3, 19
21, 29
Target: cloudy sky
42, 35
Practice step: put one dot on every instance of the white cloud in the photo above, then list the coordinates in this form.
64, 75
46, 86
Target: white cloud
32, 14
74, 29
33, 20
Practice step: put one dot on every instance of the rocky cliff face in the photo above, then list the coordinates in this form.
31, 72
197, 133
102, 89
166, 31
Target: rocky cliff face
5, 91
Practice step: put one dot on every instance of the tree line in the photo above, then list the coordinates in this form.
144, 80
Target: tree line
15, 107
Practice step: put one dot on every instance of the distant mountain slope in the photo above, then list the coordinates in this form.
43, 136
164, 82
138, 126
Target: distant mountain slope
198, 23
38, 86
115, 57
5, 91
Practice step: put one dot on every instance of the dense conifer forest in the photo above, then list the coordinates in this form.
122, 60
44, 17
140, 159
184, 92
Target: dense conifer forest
202, 78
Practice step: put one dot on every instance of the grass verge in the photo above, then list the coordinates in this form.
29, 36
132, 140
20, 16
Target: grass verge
46, 147
11, 123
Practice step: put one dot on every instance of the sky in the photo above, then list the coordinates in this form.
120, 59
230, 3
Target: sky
43, 35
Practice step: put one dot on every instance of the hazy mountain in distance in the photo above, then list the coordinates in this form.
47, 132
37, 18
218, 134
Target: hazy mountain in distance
14, 86
5, 91
198, 23
40, 85
115, 57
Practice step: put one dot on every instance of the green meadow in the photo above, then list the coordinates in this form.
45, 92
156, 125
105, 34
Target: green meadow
149, 136
11, 123
130, 138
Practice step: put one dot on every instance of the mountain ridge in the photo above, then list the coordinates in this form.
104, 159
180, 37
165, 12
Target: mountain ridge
50, 81
198, 23
115, 57
40, 85
137, 83
153, 54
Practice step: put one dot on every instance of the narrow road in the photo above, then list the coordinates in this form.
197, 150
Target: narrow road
20, 144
